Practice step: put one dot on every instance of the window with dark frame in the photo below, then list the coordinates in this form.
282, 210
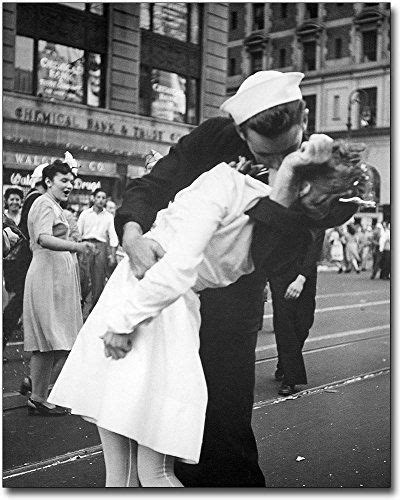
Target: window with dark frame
309, 55
258, 16
234, 20
170, 61
283, 10
56, 71
336, 107
369, 45
367, 107
311, 10
311, 106
168, 96
56, 66
232, 66
282, 59
94, 8
338, 44
179, 20
256, 61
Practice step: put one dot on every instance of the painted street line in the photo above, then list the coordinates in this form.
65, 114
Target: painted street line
330, 387
332, 335
343, 307
96, 450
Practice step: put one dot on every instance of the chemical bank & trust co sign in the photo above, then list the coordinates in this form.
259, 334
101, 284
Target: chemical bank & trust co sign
60, 115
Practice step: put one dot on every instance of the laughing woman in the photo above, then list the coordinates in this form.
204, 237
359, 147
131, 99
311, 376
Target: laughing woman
52, 313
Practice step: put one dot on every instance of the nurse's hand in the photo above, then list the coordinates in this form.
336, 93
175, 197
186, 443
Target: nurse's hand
143, 252
117, 345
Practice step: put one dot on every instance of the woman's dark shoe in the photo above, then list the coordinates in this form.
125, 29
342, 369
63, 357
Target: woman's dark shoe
26, 386
37, 408
278, 375
340, 271
287, 390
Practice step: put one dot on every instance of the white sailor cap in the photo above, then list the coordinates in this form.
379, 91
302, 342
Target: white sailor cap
261, 91
36, 175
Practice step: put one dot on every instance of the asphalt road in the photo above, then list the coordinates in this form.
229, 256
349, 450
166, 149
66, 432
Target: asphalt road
335, 433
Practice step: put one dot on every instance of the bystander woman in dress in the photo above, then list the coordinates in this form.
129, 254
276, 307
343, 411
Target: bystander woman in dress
52, 313
336, 249
352, 251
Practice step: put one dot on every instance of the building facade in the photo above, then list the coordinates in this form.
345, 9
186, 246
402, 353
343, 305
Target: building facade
107, 82
344, 51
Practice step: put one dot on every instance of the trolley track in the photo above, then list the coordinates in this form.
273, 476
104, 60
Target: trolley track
91, 452
372, 333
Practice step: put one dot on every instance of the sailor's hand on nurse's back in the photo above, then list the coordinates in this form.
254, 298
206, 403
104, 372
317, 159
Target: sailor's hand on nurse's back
143, 252
318, 149
246, 167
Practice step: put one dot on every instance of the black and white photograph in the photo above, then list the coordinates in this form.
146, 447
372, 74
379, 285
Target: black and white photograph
197, 247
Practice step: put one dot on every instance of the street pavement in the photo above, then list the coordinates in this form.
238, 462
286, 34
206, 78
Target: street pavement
334, 433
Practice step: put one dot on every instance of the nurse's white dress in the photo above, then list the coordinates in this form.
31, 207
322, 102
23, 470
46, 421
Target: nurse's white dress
157, 394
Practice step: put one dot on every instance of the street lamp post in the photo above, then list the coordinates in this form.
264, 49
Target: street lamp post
356, 96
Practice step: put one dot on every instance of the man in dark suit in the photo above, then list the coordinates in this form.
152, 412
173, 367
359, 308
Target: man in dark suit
268, 122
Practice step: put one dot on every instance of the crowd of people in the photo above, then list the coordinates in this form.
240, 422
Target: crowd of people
92, 268
354, 247
164, 365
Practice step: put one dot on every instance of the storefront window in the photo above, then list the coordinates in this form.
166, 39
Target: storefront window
168, 96
24, 64
63, 73
177, 20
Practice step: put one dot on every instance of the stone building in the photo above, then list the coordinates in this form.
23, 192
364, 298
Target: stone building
344, 51
108, 82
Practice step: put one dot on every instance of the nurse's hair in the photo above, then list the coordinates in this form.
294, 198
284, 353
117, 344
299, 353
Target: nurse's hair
337, 187
58, 166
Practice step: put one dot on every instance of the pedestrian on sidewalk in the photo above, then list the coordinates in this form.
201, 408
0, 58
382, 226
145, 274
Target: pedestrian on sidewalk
110, 206
13, 311
365, 247
336, 249
96, 226
384, 249
352, 252
376, 254
155, 376
51, 313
